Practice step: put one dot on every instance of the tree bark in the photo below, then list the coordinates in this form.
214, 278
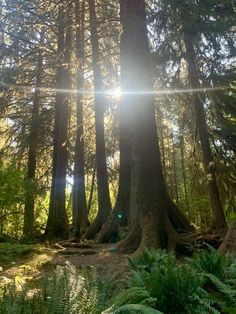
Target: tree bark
148, 192
181, 127
120, 214
90, 200
79, 205
104, 203
33, 150
57, 224
219, 222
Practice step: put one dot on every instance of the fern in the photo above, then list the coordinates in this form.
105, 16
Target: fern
136, 309
176, 288
150, 259
210, 261
68, 291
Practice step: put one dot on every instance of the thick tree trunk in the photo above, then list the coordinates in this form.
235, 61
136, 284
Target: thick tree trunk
104, 203
57, 224
148, 193
79, 207
33, 150
219, 222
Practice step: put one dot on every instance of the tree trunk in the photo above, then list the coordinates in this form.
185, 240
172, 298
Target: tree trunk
120, 214
33, 149
219, 222
148, 193
104, 203
90, 200
79, 207
174, 170
181, 127
57, 224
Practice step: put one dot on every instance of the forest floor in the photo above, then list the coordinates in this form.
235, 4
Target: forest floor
28, 262
35, 261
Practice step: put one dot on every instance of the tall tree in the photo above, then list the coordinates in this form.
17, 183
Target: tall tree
104, 203
219, 222
57, 224
79, 207
33, 147
120, 215
149, 199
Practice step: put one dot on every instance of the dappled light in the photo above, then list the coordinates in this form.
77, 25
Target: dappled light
117, 157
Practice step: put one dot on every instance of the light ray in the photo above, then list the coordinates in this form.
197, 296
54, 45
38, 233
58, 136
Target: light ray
116, 92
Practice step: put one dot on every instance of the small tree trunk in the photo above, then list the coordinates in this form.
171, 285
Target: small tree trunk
174, 170
90, 200
79, 207
104, 203
57, 224
219, 222
33, 149
181, 126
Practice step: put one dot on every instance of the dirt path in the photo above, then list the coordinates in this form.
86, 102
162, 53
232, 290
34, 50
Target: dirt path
104, 257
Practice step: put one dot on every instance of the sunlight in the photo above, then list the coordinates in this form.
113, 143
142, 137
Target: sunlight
115, 93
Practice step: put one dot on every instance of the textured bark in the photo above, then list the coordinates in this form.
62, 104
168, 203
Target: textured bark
219, 222
148, 192
33, 150
181, 126
57, 224
174, 170
90, 200
120, 214
104, 203
79, 205
229, 242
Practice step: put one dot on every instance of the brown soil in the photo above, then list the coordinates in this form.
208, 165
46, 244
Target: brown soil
103, 257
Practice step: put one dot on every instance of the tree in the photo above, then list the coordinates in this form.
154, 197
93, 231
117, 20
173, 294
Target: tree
57, 224
33, 149
149, 199
104, 203
121, 212
219, 222
79, 209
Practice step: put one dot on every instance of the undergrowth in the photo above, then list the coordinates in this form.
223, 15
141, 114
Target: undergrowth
9, 251
158, 284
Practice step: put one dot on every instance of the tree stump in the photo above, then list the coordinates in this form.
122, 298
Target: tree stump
229, 242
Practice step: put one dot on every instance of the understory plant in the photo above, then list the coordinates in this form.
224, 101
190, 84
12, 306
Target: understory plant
158, 284
67, 291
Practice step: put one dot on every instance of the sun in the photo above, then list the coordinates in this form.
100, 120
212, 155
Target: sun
115, 93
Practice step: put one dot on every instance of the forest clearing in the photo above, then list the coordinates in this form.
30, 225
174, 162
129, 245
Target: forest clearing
117, 156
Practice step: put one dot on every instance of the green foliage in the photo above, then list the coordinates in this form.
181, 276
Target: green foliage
133, 295
135, 308
218, 275
176, 288
11, 198
10, 251
210, 261
159, 284
150, 259
68, 291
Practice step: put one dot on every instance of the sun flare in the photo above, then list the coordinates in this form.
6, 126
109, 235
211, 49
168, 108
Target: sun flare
116, 92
